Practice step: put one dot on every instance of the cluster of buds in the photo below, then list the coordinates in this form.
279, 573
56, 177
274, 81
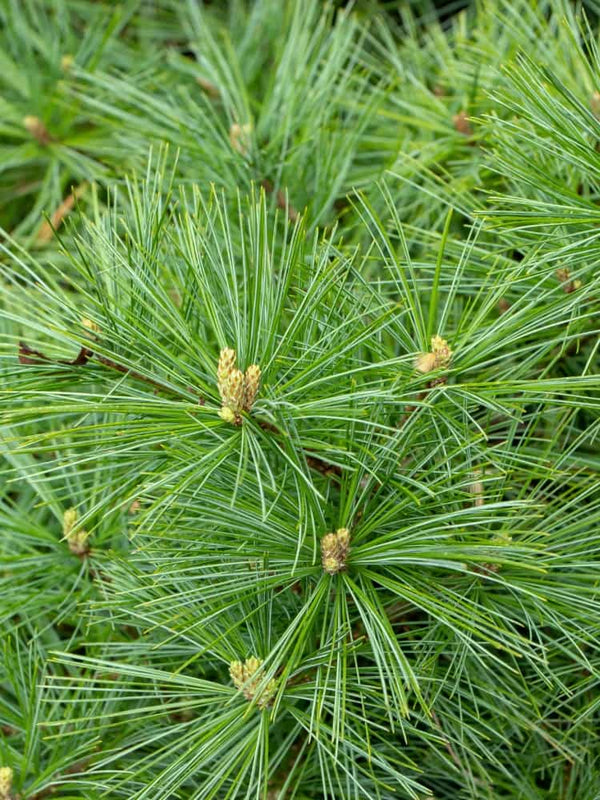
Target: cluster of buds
439, 357
240, 137
461, 124
334, 550
37, 129
6, 779
92, 328
248, 678
568, 285
134, 507
238, 390
66, 62
76, 537
208, 87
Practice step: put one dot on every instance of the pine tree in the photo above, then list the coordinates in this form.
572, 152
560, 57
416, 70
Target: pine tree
300, 400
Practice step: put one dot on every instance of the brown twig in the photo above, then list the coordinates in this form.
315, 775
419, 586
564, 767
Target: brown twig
568, 285
314, 462
208, 87
282, 200
326, 469
38, 130
137, 375
463, 125
486, 568
29, 356
411, 409
74, 769
48, 227
8, 730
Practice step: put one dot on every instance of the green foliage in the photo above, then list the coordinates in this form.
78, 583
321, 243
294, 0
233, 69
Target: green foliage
395, 218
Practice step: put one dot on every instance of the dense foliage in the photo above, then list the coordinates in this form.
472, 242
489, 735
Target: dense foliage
300, 400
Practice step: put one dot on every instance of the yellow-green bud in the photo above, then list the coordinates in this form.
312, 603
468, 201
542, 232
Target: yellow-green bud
226, 364
247, 677
227, 414
251, 384
6, 779
91, 326
238, 391
439, 357
234, 396
334, 550
37, 129
77, 538
70, 518
240, 137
